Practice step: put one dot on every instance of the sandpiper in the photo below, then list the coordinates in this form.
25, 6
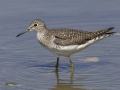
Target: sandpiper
64, 41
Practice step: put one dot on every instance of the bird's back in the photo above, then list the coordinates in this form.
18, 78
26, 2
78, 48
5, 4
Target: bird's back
66, 36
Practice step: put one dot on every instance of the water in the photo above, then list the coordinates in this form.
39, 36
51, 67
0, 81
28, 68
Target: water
29, 66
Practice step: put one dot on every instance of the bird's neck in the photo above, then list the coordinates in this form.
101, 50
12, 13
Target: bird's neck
42, 30
41, 33
41, 36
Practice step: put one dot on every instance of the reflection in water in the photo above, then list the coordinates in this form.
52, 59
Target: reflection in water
65, 86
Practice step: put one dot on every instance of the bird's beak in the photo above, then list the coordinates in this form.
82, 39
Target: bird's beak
27, 30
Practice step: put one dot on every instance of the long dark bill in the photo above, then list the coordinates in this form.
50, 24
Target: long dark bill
22, 32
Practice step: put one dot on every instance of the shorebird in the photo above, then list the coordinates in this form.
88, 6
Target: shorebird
65, 41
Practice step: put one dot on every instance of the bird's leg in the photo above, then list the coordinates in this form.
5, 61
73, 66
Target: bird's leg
57, 64
71, 64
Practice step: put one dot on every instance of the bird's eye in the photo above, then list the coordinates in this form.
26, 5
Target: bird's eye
35, 24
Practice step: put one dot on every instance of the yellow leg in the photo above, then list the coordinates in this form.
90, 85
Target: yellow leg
71, 64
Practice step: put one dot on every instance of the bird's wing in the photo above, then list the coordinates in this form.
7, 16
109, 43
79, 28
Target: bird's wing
66, 37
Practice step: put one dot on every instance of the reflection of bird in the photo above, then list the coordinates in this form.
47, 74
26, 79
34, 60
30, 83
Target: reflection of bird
67, 84
64, 41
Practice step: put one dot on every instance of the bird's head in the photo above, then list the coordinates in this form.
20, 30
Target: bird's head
36, 25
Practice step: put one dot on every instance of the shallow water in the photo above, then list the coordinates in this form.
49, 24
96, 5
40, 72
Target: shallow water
25, 65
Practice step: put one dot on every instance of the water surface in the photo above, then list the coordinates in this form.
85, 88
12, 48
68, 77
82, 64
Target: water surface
30, 67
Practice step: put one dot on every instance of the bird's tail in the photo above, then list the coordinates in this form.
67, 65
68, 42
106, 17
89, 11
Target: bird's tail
104, 31
100, 34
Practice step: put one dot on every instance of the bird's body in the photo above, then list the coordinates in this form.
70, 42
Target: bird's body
64, 46
64, 41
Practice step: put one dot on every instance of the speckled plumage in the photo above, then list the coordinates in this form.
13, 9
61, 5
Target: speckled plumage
64, 41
